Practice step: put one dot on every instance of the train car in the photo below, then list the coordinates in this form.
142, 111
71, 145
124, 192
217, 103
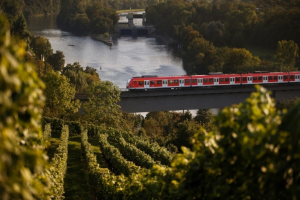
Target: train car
269, 77
214, 79
158, 82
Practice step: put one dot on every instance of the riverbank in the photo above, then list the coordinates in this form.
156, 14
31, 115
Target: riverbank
103, 39
165, 39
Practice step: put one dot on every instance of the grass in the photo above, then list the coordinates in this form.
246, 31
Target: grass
54, 142
261, 52
130, 10
76, 179
95, 143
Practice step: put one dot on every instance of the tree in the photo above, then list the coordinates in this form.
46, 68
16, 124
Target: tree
286, 54
41, 47
57, 60
203, 116
240, 61
23, 162
215, 32
59, 97
102, 107
80, 78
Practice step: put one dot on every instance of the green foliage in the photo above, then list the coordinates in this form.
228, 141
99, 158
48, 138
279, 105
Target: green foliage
47, 135
23, 162
119, 164
59, 165
59, 97
286, 54
203, 116
102, 107
202, 28
12, 9
286, 104
131, 152
57, 60
240, 61
41, 7
158, 153
79, 77
104, 184
56, 125
82, 17
41, 47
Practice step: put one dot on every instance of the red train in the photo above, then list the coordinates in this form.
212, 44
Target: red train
213, 79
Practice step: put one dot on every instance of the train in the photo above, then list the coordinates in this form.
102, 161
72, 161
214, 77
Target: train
152, 82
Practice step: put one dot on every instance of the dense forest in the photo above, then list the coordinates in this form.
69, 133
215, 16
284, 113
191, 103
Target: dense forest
213, 36
247, 151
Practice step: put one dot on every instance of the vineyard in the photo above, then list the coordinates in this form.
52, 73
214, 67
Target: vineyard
255, 156
123, 158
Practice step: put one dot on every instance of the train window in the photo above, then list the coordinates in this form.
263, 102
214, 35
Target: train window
205, 80
170, 81
292, 76
285, 77
187, 80
210, 80
141, 82
158, 82
135, 82
151, 82
221, 79
270, 78
244, 78
226, 79
275, 77
255, 78
176, 81
194, 80
237, 79
260, 78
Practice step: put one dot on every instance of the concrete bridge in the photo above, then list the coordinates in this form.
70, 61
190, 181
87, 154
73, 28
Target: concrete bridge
192, 99
130, 29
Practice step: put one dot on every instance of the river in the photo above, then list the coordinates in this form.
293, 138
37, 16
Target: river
128, 56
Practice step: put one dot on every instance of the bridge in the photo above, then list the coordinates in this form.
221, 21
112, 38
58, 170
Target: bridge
202, 98
130, 29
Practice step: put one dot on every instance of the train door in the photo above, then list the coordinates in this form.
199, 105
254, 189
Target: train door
216, 81
249, 79
181, 82
265, 79
232, 81
200, 81
146, 83
280, 78
297, 77
165, 83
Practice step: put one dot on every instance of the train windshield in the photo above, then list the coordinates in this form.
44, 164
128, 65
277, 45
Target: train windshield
128, 81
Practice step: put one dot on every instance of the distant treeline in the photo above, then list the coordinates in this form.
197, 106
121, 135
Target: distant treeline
212, 35
41, 7
83, 17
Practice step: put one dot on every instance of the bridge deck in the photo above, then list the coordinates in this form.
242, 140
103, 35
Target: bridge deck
204, 98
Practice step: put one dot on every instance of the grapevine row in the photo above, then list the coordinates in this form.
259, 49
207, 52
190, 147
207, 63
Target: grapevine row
104, 183
131, 153
153, 149
59, 165
115, 158
156, 152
